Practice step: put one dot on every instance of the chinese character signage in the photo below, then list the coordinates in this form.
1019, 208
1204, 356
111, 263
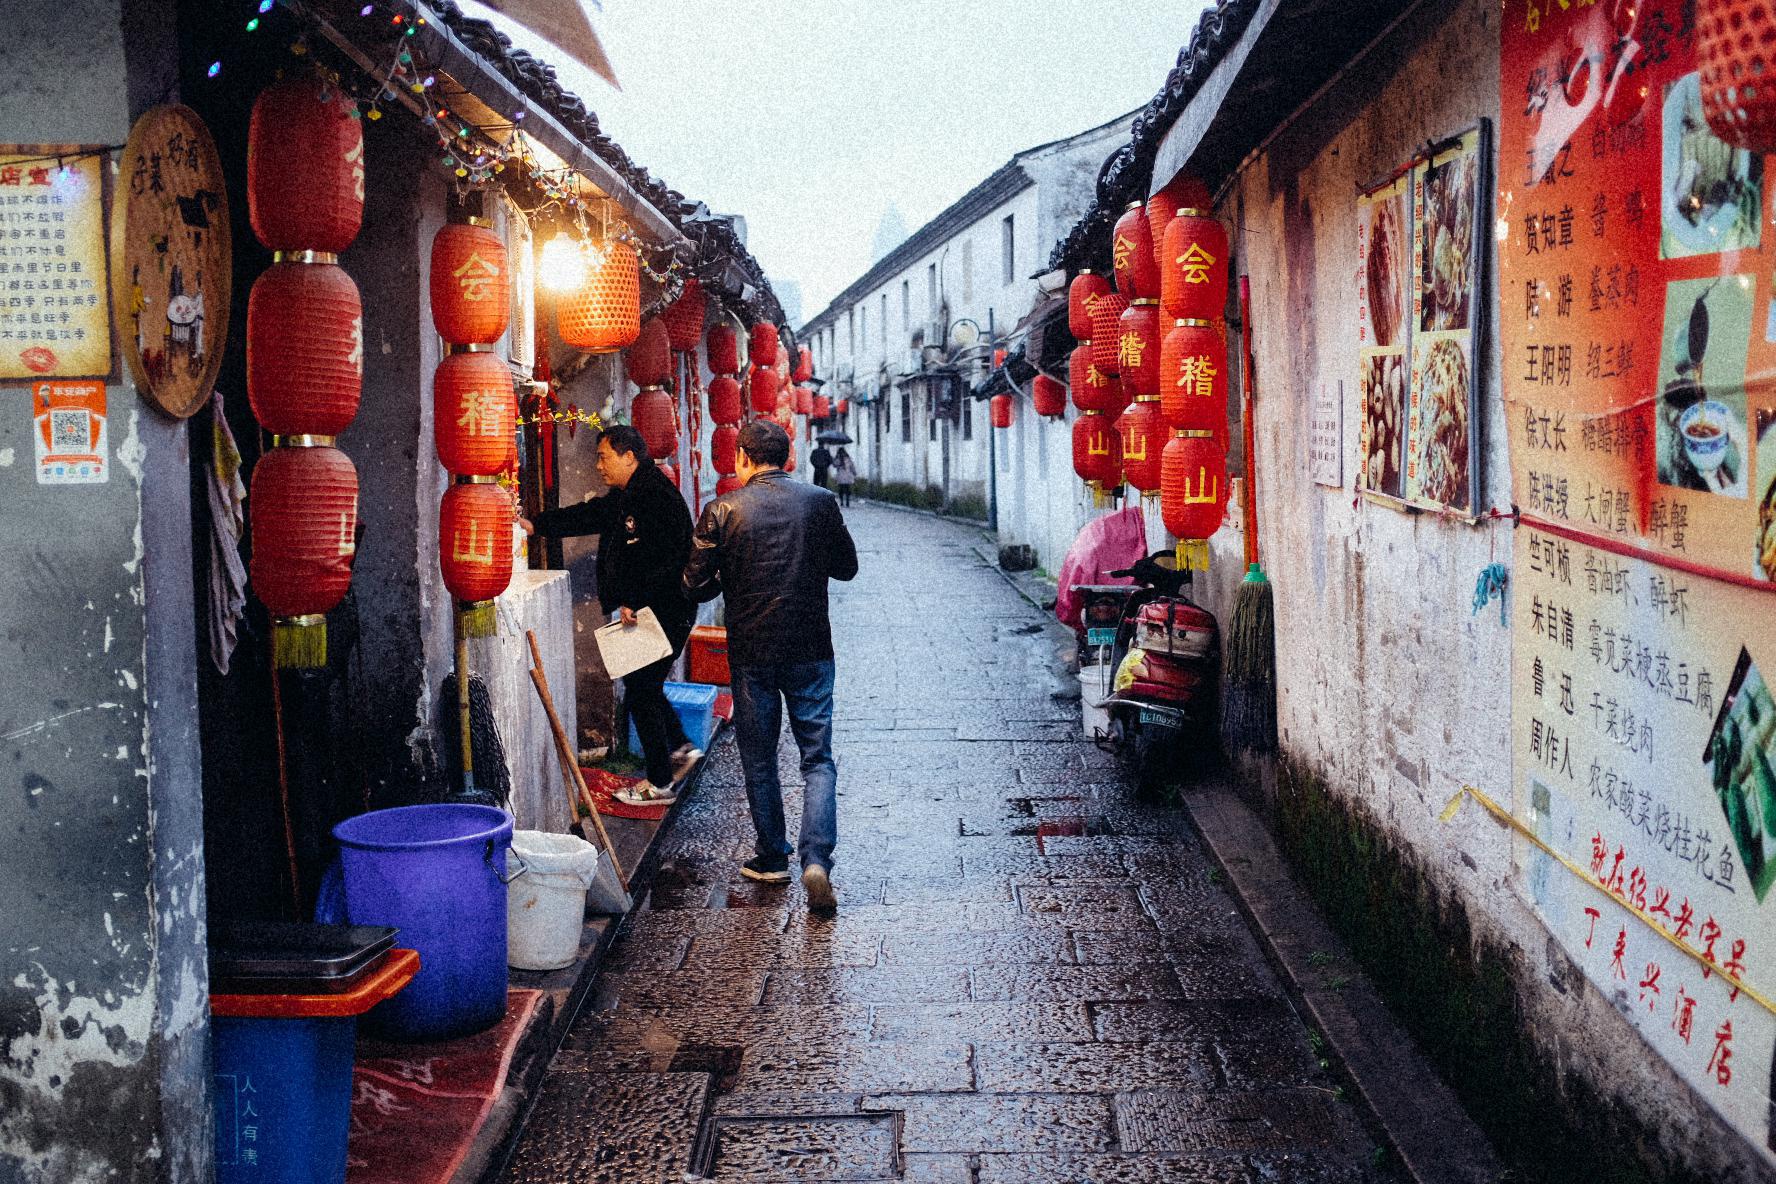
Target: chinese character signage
55, 315
174, 259
1326, 441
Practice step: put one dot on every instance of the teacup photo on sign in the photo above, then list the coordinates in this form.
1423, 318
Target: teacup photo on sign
1701, 429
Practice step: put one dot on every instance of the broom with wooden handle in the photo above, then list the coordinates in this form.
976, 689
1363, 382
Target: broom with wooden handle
1249, 710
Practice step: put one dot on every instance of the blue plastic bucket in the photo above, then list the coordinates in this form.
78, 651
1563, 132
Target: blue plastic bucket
435, 873
283, 1099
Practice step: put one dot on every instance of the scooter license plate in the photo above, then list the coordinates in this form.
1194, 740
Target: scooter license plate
1103, 636
1158, 719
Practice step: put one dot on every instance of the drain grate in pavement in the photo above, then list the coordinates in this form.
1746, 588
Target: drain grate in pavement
826, 1147
1281, 1120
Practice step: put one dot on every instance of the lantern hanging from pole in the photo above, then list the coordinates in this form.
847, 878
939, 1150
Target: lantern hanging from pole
684, 318
1193, 492
723, 445
1143, 433
822, 407
804, 400
724, 349
305, 167
1736, 53
303, 510
844, 407
725, 403
471, 285
1082, 297
1193, 277
305, 349
649, 361
473, 407
1000, 409
804, 365
1184, 191
726, 484
475, 549
1106, 338
763, 384
656, 418
1048, 396
1131, 249
1093, 390
1137, 350
763, 348
1193, 378
1097, 451
604, 314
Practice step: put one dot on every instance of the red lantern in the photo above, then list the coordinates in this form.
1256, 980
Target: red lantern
764, 392
471, 285
1082, 297
1193, 277
1193, 490
649, 360
305, 349
822, 407
1106, 338
1734, 43
1131, 248
723, 443
724, 349
656, 418
684, 317
1093, 390
473, 407
1193, 378
725, 404
844, 407
763, 349
1143, 433
804, 400
304, 515
1000, 408
727, 484
305, 167
1137, 350
475, 541
1048, 396
604, 315
1097, 450
1183, 192
804, 367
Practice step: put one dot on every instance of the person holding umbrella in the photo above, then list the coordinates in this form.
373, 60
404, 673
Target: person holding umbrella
822, 461
844, 475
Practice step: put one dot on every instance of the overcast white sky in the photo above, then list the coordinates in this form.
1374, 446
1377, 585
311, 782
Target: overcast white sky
812, 117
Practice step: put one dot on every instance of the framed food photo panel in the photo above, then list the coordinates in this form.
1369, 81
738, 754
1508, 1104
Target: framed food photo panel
1452, 205
1384, 333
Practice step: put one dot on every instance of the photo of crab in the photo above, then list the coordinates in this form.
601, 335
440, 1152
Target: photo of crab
1447, 241
1700, 418
1741, 758
1384, 381
1710, 192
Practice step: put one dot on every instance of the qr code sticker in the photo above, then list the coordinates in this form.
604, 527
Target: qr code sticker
70, 431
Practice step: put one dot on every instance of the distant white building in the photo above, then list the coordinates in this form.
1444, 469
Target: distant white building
907, 341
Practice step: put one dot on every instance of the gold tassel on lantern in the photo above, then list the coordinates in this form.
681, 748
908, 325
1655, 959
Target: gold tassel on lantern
1193, 554
477, 618
299, 643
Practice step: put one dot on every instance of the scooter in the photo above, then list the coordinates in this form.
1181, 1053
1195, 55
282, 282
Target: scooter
1164, 654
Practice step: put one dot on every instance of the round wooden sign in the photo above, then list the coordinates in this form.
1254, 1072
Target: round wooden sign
172, 259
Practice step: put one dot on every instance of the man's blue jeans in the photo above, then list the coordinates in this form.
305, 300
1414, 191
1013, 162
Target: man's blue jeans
759, 695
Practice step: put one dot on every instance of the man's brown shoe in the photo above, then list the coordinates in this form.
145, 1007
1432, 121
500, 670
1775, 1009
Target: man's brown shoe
818, 885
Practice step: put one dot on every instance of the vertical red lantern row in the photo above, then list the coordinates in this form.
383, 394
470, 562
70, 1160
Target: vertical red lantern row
684, 329
726, 403
305, 357
474, 418
1193, 378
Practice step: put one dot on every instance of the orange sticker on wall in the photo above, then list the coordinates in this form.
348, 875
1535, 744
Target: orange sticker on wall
70, 435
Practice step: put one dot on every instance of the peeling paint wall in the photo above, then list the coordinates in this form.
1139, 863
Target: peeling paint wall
103, 990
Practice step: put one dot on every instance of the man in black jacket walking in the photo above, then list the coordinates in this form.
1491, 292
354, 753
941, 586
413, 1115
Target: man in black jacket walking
644, 537
769, 548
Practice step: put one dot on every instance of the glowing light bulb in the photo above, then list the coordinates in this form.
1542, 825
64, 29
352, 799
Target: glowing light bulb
562, 267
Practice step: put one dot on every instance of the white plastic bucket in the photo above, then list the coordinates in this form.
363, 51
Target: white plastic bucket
1094, 687
546, 899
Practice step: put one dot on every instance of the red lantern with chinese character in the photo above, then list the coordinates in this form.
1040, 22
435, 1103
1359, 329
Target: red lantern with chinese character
764, 392
1193, 378
727, 484
1736, 51
1182, 192
725, 403
1131, 249
764, 345
475, 541
1193, 277
723, 444
684, 318
656, 418
1143, 432
1193, 490
1082, 297
1097, 450
1094, 390
804, 367
999, 406
1137, 351
1106, 338
471, 285
1048, 396
305, 351
303, 511
822, 407
649, 360
305, 167
473, 406
604, 315
724, 349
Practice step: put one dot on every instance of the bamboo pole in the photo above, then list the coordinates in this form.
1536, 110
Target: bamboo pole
570, 764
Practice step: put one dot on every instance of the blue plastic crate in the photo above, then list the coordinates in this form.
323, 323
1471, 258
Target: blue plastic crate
695, 704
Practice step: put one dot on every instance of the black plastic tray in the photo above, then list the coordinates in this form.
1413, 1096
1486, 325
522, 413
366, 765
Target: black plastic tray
304, 957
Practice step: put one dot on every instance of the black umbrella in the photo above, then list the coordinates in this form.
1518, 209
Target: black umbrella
833, 438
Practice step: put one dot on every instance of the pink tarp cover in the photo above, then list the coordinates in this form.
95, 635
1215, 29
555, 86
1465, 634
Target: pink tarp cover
1105, 544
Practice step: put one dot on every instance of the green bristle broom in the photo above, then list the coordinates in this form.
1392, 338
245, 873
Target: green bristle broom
1249, 709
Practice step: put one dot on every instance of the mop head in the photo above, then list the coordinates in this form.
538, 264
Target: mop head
493, 783
1249, 712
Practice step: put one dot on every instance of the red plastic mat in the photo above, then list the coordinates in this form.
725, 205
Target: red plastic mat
604, 786
416, 1108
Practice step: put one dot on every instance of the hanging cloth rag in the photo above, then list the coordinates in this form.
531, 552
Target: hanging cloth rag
1491, 582
228, 525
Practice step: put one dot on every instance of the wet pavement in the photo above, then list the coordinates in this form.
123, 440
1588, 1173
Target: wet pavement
1032, 976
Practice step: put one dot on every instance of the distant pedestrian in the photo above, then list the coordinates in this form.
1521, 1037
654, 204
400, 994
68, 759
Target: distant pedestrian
822, 460
769, 549
844, 475
644, 538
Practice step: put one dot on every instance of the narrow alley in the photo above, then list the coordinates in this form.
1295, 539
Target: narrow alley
1032, 977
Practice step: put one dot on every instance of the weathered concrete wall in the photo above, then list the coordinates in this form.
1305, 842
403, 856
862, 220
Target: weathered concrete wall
1392, 693
103, 987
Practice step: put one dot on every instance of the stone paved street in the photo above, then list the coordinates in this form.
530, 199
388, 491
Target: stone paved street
1032, 977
